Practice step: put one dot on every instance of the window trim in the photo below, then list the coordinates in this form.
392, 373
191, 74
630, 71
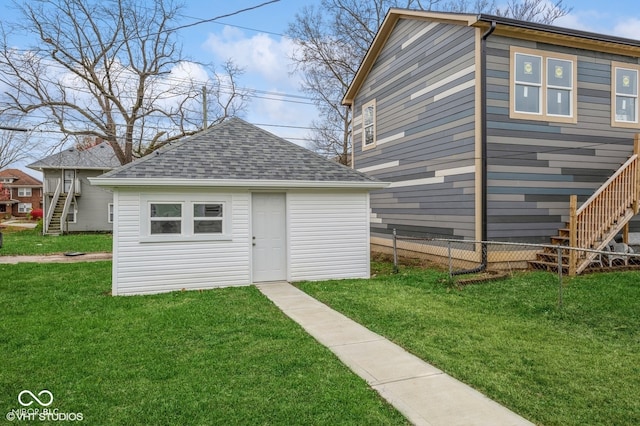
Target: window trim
624, 124
543, 115
110, 213
187, 218
28, 192
28, 209
73, 209
370, 104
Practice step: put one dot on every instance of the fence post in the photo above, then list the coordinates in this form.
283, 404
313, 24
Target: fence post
450, 259
395, 251
573, 234
560, 274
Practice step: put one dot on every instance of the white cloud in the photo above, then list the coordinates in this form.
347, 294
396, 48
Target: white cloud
260, 54
629, 28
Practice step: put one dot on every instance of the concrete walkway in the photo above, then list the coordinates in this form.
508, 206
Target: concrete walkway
55, 258
421, 392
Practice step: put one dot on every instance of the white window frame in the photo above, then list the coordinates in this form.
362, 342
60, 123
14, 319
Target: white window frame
73, 210
544, 87
157, 219
373, 125
25, 207
110, 213
209, 218
25, 192
187, 226
615, 122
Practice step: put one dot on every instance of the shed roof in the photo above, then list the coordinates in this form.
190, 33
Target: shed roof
97, 157
235, 153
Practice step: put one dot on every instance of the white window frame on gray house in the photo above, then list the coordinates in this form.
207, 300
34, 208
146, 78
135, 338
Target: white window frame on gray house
369, 125
543, 86
624, 95
110, 213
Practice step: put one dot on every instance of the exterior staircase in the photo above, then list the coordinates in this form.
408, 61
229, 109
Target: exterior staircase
55, 224
596, 222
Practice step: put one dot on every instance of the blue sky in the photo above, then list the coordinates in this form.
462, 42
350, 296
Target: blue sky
254, 41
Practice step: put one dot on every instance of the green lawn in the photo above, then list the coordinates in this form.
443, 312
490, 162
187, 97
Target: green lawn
18, 241
225, 356
508, 339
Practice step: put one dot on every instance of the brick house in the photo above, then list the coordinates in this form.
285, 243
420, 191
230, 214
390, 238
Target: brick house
20, 193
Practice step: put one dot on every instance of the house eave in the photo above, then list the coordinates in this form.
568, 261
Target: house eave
234, 183
387, 26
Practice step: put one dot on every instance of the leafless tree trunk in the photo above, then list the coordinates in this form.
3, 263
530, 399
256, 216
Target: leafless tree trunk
333, 38
109, 69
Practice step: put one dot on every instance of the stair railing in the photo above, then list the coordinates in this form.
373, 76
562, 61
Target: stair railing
52, 207
592, 223
67, 204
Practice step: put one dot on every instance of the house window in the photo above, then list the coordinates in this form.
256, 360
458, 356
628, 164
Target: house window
72, 214
543, 86
369, 125
207, 218
165, 218
624, 95
24, 207
24, 192
110, 213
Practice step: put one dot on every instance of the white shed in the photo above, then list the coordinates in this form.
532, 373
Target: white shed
235, 205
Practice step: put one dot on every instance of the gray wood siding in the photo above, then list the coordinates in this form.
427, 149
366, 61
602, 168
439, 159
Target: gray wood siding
425, 130
534, 166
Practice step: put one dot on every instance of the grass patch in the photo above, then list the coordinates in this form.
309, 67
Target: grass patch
225, 356
18, 241
508, 339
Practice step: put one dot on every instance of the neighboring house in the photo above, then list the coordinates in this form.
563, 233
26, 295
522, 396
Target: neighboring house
234, 205
71, 204
20, 193
485, 126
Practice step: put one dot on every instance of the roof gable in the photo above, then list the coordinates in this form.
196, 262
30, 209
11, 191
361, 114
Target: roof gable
235, 151
504, 26
19, 177
97, 157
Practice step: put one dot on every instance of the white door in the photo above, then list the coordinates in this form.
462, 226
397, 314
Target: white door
269, 237
69, 176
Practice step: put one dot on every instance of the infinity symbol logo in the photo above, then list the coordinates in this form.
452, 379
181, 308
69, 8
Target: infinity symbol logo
35, 398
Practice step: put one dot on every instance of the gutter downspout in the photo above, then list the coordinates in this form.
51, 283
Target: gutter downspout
483, 149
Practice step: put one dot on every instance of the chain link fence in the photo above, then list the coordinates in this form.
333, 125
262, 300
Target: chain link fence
470, 261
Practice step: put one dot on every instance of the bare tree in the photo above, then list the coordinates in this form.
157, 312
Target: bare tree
109, 69
332, 40
15, 143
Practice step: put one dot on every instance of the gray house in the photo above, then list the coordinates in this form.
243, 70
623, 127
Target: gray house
486, 127
70, 203
235, 205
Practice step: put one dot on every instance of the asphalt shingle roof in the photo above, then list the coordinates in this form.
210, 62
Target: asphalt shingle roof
237, 150
100, 157
21, 178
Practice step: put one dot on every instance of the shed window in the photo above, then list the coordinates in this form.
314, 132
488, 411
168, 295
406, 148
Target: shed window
625, 95
369, 125
543, 86
207, 218
165, 218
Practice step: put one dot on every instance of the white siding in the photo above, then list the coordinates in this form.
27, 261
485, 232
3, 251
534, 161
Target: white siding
328, 235
155, 267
